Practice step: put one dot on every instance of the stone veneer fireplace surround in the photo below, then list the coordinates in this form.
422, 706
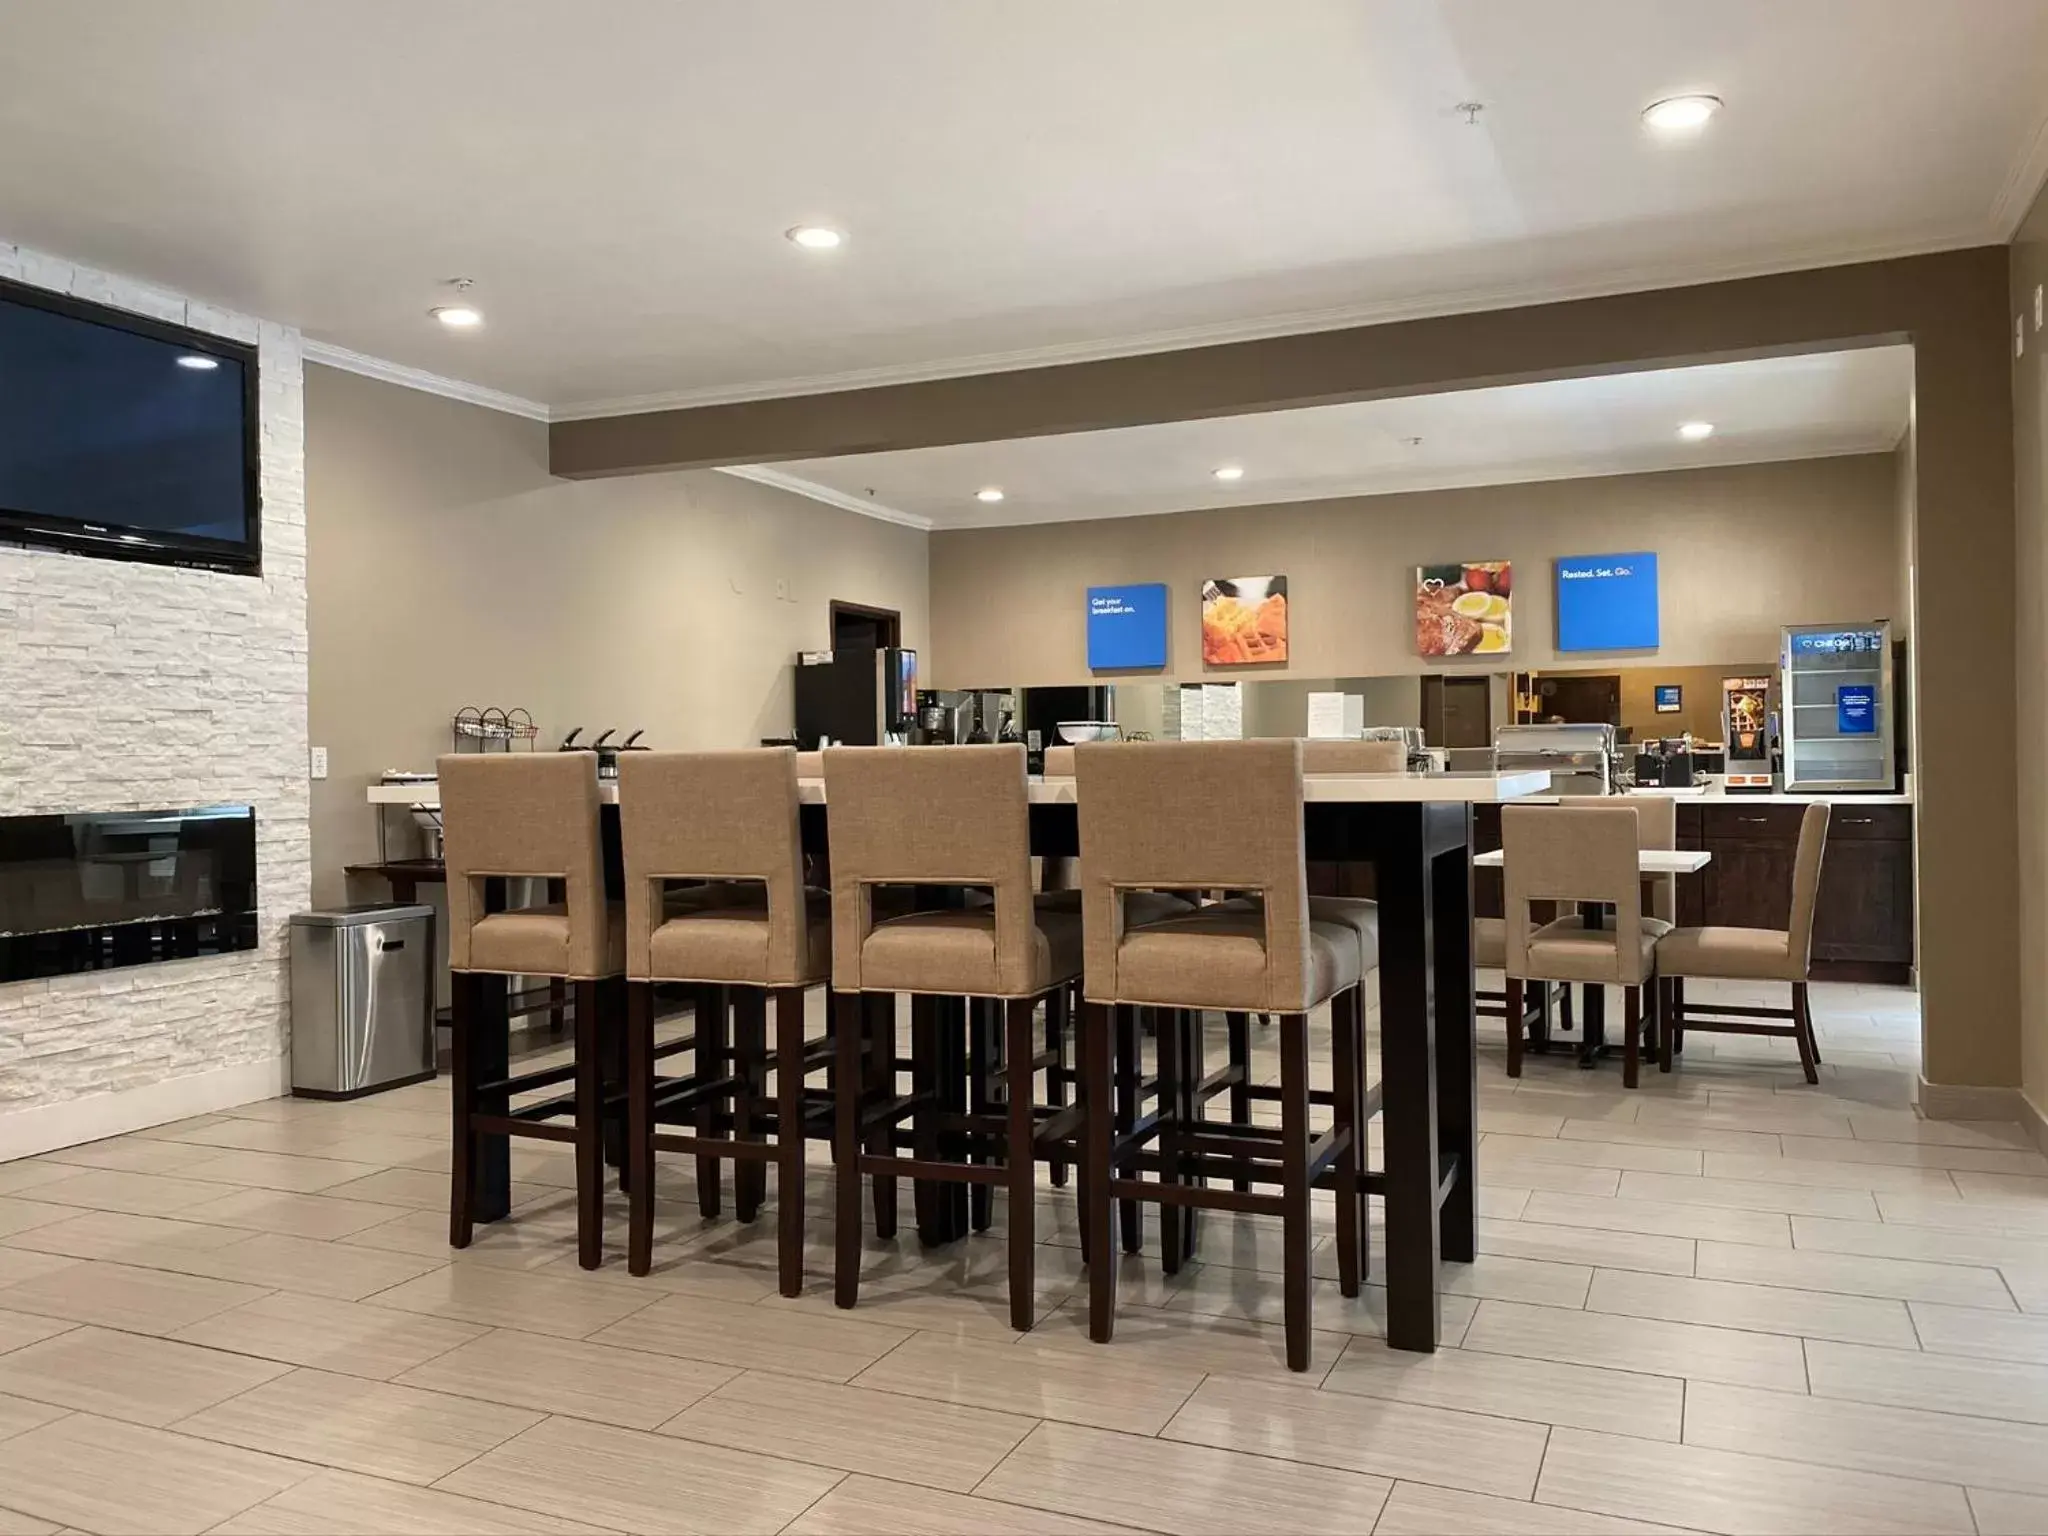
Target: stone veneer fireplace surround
133, 687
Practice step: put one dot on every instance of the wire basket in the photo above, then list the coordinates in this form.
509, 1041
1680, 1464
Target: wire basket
492, 730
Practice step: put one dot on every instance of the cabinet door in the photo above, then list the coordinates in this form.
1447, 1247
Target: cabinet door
1865, 910
1748, 884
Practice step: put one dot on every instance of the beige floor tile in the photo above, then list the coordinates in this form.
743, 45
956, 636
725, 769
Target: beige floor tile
1818, 1173
1502, 1171
28, 1173
1372, 1435
1869, 1437
18, 1215
128, 1375
419, 1189
1933, 1245
1518, 1122
1417, 1509
100, 1475
629, 1480
1907, 1125
1650, 1345
121, 1296
1993, 1389
1855, 1275
19, 1264
1587, 1154
1659, 1218
1694, 1138
14, 1523
1969, 1331
1218, 1345
1541, 1391
1098, 1389
328, 1335
1581, 1245
2008, 1514
1750, 1195
1991, 1188
1503, 1204
328, 1503
130, 1154
1742, 1494
856, 1429
1758, 1308
277, 1170
21, 1328
1260, 1298
1758, 1114
584, 1381
861, 1506
295, 1136
302, 1265
106, 1189
1917, 1154
755, 1338
505, 1298
269, 1210
370, 1427
1491, 1276
18, 1415
1168, 1486
737, 1278
121, 1237
538, 1244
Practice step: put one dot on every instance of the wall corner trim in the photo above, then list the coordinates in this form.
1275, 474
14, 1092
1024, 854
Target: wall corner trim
1968, 1101
418, 378
761, 474
73, 1122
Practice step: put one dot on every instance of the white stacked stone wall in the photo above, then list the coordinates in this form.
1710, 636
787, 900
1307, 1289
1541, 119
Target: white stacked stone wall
132, 687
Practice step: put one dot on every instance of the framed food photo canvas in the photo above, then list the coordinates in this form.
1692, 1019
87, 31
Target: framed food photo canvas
1244, 620
1466, 609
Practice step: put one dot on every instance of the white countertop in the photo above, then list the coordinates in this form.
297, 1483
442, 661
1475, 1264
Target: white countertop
1651, 861
1714, 795
1340, 788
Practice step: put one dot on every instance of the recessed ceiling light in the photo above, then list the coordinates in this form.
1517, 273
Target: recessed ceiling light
1695, 431
816, 237
1229, 472
458, 317
198, 362
989, 493
1681, 114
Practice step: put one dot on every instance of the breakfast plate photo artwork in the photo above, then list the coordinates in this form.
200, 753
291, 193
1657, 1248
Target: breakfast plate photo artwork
1244, 620
1464, 610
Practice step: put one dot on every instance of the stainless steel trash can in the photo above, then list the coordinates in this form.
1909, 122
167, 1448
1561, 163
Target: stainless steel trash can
362, 999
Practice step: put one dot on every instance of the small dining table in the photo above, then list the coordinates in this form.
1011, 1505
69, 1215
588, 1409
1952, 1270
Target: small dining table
1415, 831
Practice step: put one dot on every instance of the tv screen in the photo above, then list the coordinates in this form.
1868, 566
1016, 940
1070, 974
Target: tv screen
125, 437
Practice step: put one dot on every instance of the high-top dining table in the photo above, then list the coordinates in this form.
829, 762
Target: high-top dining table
1415, 831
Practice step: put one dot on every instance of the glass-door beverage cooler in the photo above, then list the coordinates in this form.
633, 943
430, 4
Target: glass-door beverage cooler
1838, 703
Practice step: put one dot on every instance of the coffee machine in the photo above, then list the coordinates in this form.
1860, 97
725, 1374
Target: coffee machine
1746, 734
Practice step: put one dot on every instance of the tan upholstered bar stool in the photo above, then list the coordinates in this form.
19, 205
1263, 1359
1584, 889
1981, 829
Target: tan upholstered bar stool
957, 819
1325, 755
1205, 816
729, 818
1656, 827
1574, 856
1753, 954
510, 816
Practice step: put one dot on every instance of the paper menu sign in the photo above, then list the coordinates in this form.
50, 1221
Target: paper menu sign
1339, 716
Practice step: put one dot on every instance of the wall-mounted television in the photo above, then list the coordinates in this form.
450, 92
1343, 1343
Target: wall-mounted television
125, 437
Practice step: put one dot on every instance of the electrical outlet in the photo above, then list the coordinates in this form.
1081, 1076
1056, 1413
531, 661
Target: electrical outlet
319, 763
781, 590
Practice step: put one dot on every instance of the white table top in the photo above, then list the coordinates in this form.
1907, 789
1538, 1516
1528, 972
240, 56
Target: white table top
1651, 861
1341, 788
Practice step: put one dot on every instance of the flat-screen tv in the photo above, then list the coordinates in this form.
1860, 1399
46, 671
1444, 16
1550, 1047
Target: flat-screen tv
125, 437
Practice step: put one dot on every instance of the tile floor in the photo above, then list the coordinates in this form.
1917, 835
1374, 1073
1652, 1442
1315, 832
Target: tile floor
1727, 1302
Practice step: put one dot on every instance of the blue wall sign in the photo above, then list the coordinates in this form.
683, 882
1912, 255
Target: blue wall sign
1127, 626
1670, 698
1856, 709
1607, 602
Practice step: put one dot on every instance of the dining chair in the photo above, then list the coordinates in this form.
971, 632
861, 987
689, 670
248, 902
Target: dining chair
1203, 816
1656, 828
750, 933
1326, 755
510, 817
1586, 857
957, 820
1753, 954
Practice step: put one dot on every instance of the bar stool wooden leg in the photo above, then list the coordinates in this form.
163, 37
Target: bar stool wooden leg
983, 1047
709, 1062
1168, 1037
1632, 1032
1344, 1044
1021, 1160
640, 1127
1802, 1021
749, 1044
1097, 1088
878, 1012
1130, 1215
1237, 1031
1678, 1016
462, 1081
1194, 1070
924, 1066
789, 1138
1515, 1025
611, 1062
589, 1129
1296, 1237
1056, 1014
848, 1100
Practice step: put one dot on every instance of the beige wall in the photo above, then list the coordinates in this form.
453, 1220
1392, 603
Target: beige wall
1740, 552
446, 567
2030, 450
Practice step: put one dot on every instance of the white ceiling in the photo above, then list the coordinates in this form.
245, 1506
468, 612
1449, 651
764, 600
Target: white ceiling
1773, 408
1024, 181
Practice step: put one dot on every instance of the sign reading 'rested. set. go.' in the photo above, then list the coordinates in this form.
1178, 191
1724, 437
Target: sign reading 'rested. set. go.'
1127, 626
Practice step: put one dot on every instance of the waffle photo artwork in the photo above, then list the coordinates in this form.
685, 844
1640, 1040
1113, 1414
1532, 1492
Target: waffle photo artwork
1244, 620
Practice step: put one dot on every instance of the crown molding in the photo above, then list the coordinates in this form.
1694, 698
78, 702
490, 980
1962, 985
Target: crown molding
761, 474
2028, 174
418, 378
1296, 323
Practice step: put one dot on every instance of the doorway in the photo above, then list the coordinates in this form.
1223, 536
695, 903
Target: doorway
1457, 711
857, 627
1581, 700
